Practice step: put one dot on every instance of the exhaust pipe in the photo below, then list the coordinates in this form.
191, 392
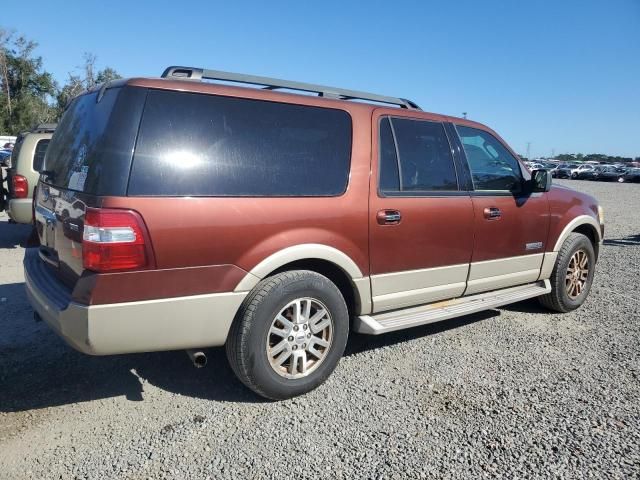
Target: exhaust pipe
198, 358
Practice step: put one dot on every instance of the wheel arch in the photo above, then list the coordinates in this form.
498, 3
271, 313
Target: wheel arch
322, 259
586, 225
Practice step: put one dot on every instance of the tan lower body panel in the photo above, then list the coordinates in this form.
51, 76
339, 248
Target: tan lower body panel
548, 263
152, 325
415, 287
20, 210
503, 272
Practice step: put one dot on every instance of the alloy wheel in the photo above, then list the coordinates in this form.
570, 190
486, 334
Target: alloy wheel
577, 274
299, 338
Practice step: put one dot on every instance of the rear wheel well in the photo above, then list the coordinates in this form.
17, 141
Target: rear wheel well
334, 273
590, 232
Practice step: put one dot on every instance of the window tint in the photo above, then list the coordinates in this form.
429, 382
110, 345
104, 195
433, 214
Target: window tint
205, 145
38, 156
492, 166
389, 178
77, 145
425, 163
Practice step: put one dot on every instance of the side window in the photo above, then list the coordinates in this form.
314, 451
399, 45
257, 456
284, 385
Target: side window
492, 166
389, 177
425, 162
207, 145
38, 156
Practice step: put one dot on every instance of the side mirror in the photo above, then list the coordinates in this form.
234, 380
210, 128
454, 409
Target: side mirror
540, 181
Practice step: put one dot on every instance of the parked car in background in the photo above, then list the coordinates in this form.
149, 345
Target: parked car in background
581, 170
535, 166
609, 173
26, 162
632, 175
275, 223
5, 158
562, 171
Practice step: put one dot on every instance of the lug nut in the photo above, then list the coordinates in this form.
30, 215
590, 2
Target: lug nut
290, 339
304, 327
308, 335
295, 347
296, 328
304, 345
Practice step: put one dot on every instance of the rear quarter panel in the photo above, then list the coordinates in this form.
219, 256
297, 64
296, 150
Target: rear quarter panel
242, 231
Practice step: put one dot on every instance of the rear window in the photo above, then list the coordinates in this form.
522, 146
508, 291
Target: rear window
205, 145
92, 148
77, 144
38, 156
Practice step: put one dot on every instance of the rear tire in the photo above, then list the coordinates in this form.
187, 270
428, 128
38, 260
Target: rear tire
281, 344
572, 275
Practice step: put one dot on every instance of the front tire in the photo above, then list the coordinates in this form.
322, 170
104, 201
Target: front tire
289, 334
572, 274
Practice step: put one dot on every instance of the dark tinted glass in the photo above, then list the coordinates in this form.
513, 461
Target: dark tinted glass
38, 156
389, 179
492, 165
426, 163
76, 146
204, 145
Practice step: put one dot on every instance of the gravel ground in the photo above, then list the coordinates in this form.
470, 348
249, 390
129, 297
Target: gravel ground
515, 392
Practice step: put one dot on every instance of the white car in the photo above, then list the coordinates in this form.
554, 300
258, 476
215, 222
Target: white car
575, 172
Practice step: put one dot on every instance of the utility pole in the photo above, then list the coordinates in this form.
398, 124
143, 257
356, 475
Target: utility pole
464, 114
529, 150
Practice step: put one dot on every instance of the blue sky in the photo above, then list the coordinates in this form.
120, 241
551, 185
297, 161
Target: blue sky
563, 75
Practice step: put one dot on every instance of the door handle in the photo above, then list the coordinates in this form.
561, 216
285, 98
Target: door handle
492, 213
388, 217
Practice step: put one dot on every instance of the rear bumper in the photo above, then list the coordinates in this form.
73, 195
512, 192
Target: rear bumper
20, 210
169, 324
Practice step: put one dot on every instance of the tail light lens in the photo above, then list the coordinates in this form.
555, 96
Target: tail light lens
20, 186
114, 240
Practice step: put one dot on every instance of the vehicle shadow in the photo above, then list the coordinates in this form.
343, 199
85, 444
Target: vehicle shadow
13, 235
359, 343
627, 241
528, 306
41, 371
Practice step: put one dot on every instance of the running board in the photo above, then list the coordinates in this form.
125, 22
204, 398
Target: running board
435, 312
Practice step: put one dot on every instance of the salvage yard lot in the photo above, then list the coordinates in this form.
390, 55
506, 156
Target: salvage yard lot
513, 392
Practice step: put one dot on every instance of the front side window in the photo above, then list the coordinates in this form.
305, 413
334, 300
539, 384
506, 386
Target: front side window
492, 166
422, 161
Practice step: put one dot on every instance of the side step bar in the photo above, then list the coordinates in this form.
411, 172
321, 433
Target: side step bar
435, 312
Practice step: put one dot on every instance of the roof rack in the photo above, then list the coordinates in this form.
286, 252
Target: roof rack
44, 128
199, 74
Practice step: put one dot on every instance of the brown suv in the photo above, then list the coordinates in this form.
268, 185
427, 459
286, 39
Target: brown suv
176, 213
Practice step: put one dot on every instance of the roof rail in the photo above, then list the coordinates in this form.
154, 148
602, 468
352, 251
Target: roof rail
199, 74
44, 128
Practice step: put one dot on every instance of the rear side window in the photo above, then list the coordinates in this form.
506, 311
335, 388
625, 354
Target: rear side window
492, 166
38, 156
205, 145
422, 161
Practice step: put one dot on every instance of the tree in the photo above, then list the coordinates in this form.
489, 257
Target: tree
87, 79
26, 89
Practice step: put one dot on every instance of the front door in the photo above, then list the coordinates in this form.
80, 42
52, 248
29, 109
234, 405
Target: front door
510, 227
420, 222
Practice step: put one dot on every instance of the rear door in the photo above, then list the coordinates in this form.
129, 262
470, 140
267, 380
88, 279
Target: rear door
420, 221
510, 227
88, 157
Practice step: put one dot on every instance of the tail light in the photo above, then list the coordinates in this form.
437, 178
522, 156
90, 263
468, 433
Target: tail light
114, 240
20, 186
